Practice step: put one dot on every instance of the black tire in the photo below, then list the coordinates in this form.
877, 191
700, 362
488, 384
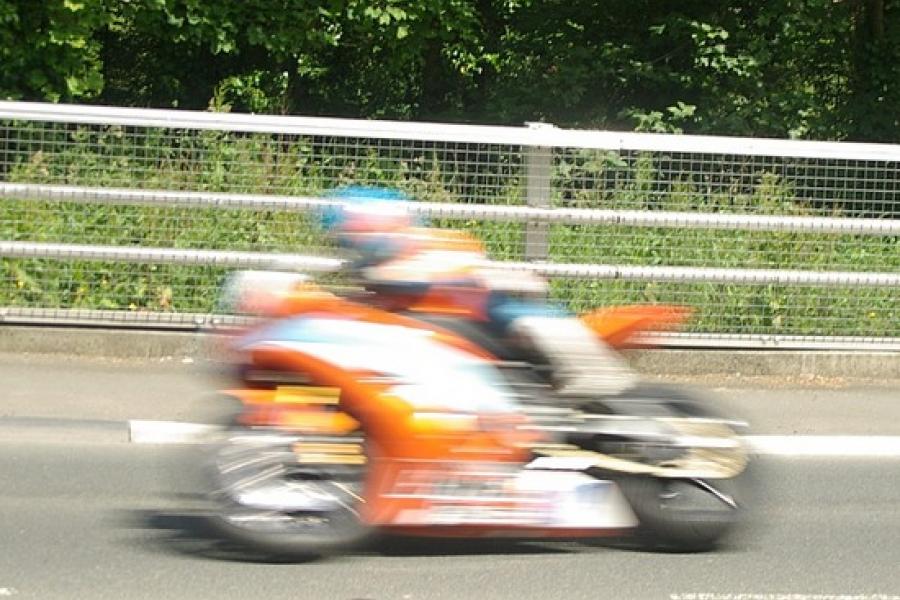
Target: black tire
683, 515
301, 535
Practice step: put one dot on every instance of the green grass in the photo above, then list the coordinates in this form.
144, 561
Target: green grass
261, 164
754, 309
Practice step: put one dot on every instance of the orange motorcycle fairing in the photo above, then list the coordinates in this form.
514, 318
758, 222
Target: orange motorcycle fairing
618, 325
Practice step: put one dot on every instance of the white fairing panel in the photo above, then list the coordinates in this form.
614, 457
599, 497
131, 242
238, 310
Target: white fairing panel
429, 375
580, 501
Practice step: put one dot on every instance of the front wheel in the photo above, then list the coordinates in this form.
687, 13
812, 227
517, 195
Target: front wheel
267, 499
688, 515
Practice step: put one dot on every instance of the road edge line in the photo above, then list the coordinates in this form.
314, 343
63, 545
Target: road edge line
176, 432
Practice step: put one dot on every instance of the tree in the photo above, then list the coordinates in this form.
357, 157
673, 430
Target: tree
49, 50
826, 69
343, 57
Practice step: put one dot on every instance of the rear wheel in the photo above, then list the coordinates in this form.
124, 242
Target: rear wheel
688, 515
267, 499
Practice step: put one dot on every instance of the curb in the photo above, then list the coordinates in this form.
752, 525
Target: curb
159, 345
772, 363
101, 343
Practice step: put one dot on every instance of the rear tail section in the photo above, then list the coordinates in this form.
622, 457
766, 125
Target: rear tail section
618, 326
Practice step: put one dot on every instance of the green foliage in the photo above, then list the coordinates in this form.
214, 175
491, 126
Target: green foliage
218, 161
800, 68
339, 57
49, 49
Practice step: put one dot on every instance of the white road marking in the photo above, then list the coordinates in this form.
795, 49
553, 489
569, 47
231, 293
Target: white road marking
174, 432
169, 432
825, 445
778, 596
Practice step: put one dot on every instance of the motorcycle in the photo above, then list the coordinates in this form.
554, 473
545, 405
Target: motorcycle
373, 413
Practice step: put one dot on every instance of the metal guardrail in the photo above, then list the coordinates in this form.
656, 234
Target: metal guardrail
250, 260
592, 205
213, 323
171, 256
536, 135
712, 275
513, 214
115, 319
722, 341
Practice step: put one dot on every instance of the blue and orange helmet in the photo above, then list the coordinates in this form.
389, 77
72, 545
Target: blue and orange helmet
369, 220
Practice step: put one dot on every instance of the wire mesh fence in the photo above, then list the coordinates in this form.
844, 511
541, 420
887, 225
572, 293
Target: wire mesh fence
597, 198
704, 181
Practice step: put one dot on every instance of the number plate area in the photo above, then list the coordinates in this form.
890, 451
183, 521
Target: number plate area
505, 496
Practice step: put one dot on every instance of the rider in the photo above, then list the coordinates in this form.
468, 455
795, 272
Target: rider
396, 258
396, 255
392, 250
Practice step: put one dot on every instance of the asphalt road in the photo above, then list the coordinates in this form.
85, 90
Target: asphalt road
57, 387
119, 521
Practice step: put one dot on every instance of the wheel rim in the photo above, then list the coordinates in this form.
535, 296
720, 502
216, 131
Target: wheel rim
259, 487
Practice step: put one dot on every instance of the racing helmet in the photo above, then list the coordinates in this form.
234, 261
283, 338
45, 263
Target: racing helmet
371, 221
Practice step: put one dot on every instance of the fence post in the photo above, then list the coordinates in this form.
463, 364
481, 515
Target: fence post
537, 193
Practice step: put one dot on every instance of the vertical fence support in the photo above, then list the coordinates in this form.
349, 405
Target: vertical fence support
537, 193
